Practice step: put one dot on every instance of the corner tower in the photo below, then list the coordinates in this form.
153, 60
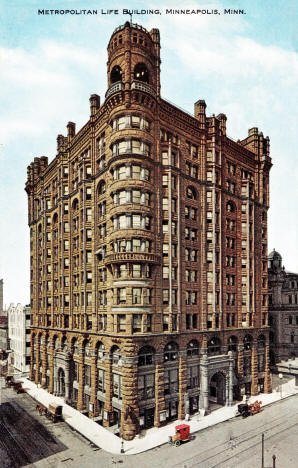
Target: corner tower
133, 60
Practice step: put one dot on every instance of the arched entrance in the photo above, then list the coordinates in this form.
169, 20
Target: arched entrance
217, 388
61, 382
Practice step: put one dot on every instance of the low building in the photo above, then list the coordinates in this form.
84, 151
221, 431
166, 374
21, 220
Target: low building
19, 336
283, 310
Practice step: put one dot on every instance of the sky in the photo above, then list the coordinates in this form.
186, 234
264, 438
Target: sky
245, 66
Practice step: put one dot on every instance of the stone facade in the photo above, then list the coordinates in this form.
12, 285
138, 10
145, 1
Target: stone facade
19, 336
283, 310
149, 253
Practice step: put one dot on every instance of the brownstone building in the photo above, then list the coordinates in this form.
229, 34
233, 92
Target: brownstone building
149, 253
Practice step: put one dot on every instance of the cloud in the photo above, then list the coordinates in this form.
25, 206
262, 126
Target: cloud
42, 86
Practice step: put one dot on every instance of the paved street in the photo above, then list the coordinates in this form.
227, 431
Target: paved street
233, 444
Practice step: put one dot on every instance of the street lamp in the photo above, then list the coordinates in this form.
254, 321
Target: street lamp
280, 384
122, 447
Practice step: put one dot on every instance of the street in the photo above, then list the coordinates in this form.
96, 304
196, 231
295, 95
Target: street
28, 439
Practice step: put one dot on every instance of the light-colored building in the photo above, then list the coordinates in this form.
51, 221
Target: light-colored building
19, 336
283, 310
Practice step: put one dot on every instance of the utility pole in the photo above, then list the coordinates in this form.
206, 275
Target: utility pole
262, 451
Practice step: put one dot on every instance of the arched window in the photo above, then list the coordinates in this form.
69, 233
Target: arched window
75, 204
193, 348
191, 193
247, 342
116, 74
87, 350
55, 218
75, 347
100, 351
146, 356
231, 207
232, 343
101, 187
213, 346
116, 356
171, 352
141, 73
64, 344
261, 342
56, 342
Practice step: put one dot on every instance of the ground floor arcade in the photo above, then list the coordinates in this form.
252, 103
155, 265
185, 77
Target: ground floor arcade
144, 382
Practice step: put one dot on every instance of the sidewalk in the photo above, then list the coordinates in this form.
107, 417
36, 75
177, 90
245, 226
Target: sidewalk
149, 438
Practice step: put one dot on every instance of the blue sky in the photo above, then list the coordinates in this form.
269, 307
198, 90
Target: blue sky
245, 66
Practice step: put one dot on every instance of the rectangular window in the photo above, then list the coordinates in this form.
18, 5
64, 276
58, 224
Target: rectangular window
136, 295
137, 323
121, 295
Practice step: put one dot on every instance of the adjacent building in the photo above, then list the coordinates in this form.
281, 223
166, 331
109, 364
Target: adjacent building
148, 235
283, 310
4, 343
19, 336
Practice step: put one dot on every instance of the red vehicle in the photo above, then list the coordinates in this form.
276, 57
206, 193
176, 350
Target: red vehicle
182, 435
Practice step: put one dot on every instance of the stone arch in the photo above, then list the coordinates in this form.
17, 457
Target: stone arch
141, 73
101, 187
146, 356
171, 351
115, 353
247, 342
217, 387
230, 206
64, 344
213, 346
232, 343
193, 349
261, 340
75, 204
191, 192
116, 74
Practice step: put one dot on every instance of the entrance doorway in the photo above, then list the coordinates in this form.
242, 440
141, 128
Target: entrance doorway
148, 418
61, 382
217, 390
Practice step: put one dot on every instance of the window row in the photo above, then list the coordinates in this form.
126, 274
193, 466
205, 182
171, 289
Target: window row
131, 196
138, 295
132, 221
131, 146
131, 245
131, 171
134, 270
130, 121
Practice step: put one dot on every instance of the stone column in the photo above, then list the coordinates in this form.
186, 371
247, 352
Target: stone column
182, 375
81, 406
230, 378
240, 365
254, 370
37, 360
130, 409
94, 385
108, 406
51, 367
44, 365
56, 382
67, 378
160, 404
32, 353
267, 375
204, 391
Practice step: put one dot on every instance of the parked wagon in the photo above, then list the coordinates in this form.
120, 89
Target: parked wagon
9, 380
54, 412
249, 410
